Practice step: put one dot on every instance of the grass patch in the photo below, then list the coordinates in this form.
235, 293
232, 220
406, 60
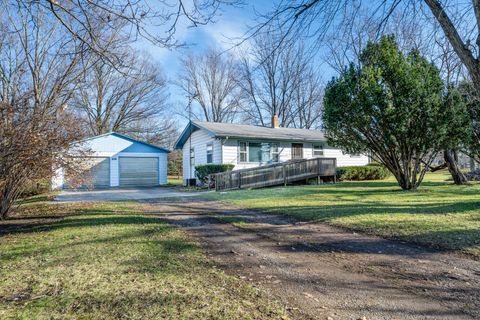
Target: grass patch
174, 181
439, 214
236, 221
107, 261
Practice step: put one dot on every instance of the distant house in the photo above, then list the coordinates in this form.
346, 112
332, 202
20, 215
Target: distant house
116, 160
248, 146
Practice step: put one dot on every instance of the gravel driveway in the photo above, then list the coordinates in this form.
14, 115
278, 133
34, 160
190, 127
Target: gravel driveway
322, 272
121, 194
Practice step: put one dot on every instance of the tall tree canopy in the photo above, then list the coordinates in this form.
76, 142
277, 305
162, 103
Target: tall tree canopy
392, 105
211, 81
280, 78
129, 98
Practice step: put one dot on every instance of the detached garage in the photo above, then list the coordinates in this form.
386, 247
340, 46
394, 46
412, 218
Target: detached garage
116, 160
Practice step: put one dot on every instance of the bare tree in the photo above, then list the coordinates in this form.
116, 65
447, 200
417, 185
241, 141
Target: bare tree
129, 98
278, 79
38, 74
156, 22
211, 81
459, 21
308, 101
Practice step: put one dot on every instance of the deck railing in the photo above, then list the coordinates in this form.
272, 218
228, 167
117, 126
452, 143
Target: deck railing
276, 174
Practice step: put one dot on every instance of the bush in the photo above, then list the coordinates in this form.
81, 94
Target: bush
370, 172
34, 188
202, 171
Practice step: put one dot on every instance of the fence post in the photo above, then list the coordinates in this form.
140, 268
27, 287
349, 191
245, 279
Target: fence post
239, 180
335, 170
284, 172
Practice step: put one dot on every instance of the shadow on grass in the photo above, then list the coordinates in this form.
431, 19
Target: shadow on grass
149, 228
98, 218
332, 211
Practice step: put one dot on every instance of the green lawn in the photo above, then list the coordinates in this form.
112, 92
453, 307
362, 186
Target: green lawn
439, 214
107, 261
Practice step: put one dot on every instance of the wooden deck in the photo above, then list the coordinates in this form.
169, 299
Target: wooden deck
276, 174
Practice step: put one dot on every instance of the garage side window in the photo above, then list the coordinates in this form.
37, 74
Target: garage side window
209, 152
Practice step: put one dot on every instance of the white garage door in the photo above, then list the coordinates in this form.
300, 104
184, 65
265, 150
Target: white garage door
138, 172
92, 172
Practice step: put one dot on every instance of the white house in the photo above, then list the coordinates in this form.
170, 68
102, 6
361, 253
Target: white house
247, 146
115, 160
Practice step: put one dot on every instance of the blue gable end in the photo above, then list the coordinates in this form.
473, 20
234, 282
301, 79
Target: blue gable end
140, 147
116, 143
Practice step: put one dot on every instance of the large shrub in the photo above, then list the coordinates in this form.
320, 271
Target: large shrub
202, 171
395, 107
358, 173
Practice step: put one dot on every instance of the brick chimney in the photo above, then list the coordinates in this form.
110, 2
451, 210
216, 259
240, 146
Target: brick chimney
275, 123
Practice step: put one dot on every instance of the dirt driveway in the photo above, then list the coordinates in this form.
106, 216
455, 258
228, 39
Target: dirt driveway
322, 272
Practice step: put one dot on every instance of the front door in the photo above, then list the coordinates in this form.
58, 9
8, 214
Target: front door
297, 151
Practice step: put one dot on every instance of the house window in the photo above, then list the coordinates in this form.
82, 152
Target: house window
355, 155
209, 152
318, 150
275, 152
243, 152
259, 152
254, 152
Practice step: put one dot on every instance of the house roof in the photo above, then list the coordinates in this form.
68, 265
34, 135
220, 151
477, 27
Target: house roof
243, 131
122, 136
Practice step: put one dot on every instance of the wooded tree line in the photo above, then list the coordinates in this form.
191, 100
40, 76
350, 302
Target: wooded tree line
250, 85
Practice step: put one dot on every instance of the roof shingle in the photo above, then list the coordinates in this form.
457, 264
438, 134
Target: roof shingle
257, 132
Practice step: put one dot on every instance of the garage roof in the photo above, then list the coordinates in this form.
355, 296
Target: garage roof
130, 148
232, 130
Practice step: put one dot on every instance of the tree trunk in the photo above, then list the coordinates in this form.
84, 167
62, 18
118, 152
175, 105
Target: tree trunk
4, 208
462, 49
451, 159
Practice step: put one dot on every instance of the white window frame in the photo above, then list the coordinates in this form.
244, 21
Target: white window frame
239, 155
275, 155
322, 150
209, 152
247, 150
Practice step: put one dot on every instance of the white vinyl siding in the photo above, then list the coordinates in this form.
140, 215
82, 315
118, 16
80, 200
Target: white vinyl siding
228, 151
231, 149
200, 140
345, 160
